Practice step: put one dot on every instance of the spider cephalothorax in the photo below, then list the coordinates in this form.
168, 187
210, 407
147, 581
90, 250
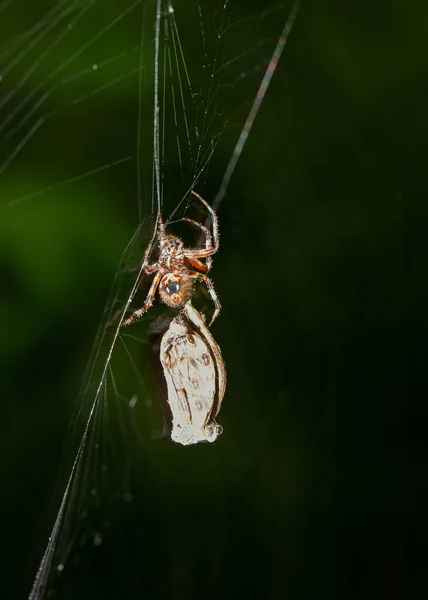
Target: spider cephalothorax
177, 268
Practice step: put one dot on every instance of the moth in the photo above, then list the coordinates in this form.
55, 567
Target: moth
195, 376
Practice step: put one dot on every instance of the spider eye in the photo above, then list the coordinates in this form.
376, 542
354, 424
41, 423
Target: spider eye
172, 287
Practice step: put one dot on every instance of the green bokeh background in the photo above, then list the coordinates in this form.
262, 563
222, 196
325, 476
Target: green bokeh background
317, 488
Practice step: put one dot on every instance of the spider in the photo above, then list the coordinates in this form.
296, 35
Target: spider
178, 268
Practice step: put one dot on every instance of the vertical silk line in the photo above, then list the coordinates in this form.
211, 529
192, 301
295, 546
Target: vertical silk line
256, 104
139, 117
156, 108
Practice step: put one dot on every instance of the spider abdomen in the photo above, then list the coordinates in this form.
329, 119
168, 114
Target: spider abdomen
176, 289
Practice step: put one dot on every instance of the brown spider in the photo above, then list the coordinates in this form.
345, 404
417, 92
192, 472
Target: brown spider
175, 269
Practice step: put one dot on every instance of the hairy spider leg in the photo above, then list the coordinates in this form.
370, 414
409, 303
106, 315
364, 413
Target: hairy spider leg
209, 284
160, 225
213, 218
208, 245
198, 264
142, 268
137, 314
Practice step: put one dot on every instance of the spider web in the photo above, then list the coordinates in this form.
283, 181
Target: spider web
192, 119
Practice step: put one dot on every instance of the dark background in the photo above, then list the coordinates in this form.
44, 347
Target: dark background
317, 487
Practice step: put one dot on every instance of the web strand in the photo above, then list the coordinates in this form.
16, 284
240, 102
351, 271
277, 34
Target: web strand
156, 157
195, 140
256, 104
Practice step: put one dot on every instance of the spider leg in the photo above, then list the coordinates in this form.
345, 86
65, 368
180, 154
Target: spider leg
114, 318
149, 269
213, 218
137, 314
209, 284
197, 264
160, 224
199, 252
142, 268
208, 243
208, 239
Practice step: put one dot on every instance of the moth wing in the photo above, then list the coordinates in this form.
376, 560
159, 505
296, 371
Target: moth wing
198, 322
191, 381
